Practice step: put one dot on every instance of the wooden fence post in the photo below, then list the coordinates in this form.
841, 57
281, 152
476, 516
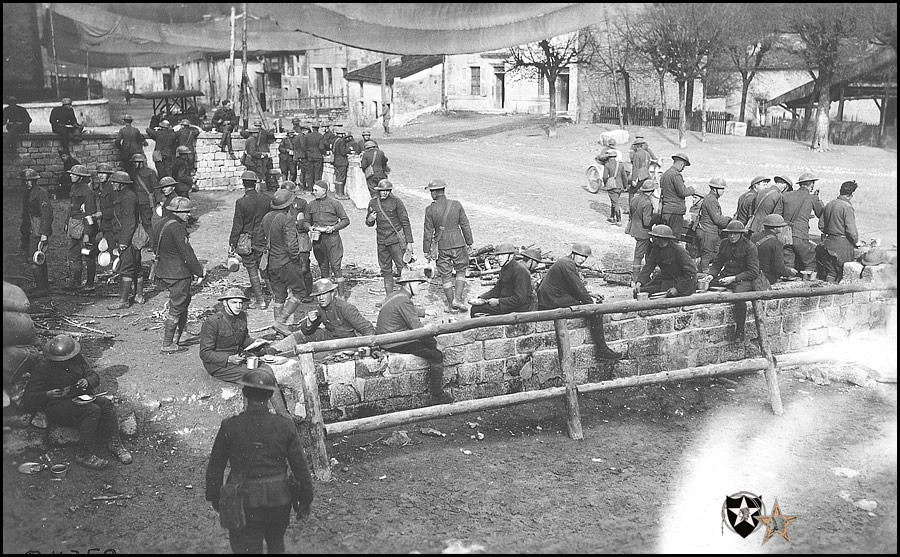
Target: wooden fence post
771, 372
567, 365
319, 462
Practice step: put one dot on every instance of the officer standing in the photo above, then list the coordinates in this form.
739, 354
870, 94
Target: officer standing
285, 269
736, 267
249, 211
839, 235
448, 240
640, 215
512, 292
799, 206
258, 446
125, 220
326, 218
39, 212
677, 274
81, 203
176, 266
393, 233
712, 222
674, 192
146, 181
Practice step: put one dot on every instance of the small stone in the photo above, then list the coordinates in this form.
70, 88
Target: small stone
431, 432
40, 420
20, 421
866, 505
845, 472
128, 425
151, 404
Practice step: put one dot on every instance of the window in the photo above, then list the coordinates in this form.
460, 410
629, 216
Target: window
320, 81
541, 85
330, 81
476, 80
290, 62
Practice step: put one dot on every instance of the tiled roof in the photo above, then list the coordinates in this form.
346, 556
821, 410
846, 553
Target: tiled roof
409, 65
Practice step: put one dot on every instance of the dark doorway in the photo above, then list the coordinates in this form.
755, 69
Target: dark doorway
167, 81
499, 90
562, 93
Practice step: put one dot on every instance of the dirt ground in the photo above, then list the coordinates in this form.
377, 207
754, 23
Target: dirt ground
655, 464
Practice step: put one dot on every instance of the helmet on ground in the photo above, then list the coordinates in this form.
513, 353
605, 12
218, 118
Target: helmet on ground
662, 231
182, 150
233, 292
61, 348
249, 175
105, 168
735, 226
31, 174
759, 179
79, 170
773, 221
259, 378
166, 181
410, 275
121, 178
138, 157
384, 185
682, 156
436, 184
717, 183
533, 253
581, 249
180, 205
807, 177
370, 143
505, 247
283, 198
323, 286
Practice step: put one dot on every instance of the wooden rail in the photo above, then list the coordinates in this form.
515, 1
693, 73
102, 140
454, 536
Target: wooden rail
317, 429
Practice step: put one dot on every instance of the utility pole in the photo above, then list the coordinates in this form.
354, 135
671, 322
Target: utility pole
245, 77
230, 77
383, 81
53, 44
87, 69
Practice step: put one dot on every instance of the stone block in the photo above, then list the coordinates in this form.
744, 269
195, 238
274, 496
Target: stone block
343, 395
773, 326
368, 367
454, 355
645, 346
652, 312
660, 324
791, 323
532, 343
401, 363
633, 328
843, 299
773, 307
499, 349
708, 316
484, 333
798, 341
817, 336
519, 329
809, 304
682, 321
707, 355
341, 372
735, 351
413, 383
492, 371
379, 388
515, 364
790, 305
576, 323
544, 326
452, 339
545, 363
861, 297
618, 316
468, 374
577, 337
837, 333
814, 320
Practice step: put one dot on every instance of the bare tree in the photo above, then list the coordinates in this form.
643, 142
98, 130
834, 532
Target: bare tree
880, 24
832, 34
615, 57
748, 43
548, 58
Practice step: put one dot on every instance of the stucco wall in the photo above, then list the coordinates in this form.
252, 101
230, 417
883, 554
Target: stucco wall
94, 113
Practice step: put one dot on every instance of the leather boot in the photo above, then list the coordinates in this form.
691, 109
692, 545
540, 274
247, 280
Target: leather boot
287, 309
169, 346
436, 384
388, 285
342, 287
740, 318
91, 273
256, 286
183, 337
139, 291
601, 350
340, 192
124, 294
458, 302
448, 295
41, 284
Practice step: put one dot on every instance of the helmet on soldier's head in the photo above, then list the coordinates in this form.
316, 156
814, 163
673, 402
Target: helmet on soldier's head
233, 293
579, 248
166, 181
31, 174
773, 221
138, 157
180, 205
505, 247
289, 185
121, 178
185, 122
369, 144
437, 184
411, 275
249, 175
662, 231
282, 199
366, 133
182, 150
105, 168
323, 286
384, 185
259, 378
61, 348
717, 183
532, 253
79, 170
165, 124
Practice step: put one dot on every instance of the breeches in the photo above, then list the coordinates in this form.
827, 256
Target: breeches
389, 257
329, 253
179, 298
282, 278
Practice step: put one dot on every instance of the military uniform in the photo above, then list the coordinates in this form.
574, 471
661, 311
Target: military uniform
181, 170
740, 260
40, 216
249, 211
256, 445
797, 208
768, 202
285, 269
375, 158
129, 141
712, 222
299, 145
513, 290
339, 319
392, 235
165, 145
674, 193
286, 159
640, 213
452, 235
771, 257
676, 270
146, 182
187, 137
315, 158
745, 206
329, 249
256, 155
839, 239
81, 196
126, 219
224, 120
176, 265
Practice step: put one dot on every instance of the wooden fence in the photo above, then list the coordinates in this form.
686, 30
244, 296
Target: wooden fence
315, 104
839, 132
650, 117
317, 429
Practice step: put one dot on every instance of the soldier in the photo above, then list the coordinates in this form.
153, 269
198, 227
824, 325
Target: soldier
181, 168
674, 193
129, 141
531, 258
768, 202
256, 152
299, 146
107, 197
771, 250
342, 147
126, 219
315, 149
257, 445
563, 287
512, 292
17, 122
712, 223
39, 213
64, 124
224, 121
81, 204
223, 340
93, 225
328, 135
784, 184
640, 215
146, 181
299, 211
736, 267
747, 201
399, 314
176, 267
392, 232
166, 191
286, 156
249, 211
187, 135
65, 183
273, 181
284, 268
448, 240
677, 274
335, 318
374, 165
798, 207
326, 218
839, 235
640, 168
164, 151
60, 375
613, 173
361, 144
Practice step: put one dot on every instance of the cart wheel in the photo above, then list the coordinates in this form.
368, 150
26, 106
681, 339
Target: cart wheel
594, 177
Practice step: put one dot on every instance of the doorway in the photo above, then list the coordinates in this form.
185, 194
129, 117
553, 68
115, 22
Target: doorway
499, 88
562, 93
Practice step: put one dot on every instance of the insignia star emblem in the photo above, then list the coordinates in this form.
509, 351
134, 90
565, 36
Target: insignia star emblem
776, 523
744, 513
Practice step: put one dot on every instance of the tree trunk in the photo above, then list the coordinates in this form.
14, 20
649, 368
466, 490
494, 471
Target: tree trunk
551, 84
703, 114
626, 77
662, 96
820, 135
745, 89
689, 101
682, 115
615, 79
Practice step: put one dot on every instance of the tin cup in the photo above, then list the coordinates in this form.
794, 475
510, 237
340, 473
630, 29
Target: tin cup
252, 362
58, 471
643, 296
89, 219
807, 276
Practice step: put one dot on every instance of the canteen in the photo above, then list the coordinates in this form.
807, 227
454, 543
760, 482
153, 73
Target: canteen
103, 245
104, 259
39, 257
233, 264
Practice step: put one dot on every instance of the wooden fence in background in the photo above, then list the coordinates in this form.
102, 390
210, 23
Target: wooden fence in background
651, 117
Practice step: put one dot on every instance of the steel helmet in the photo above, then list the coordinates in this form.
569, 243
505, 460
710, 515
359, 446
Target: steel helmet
105, 168
61, 348
505, 247
735, 226
138, 157
165, 124
67, 101
283, 198
182, 150
121, 178
104, 259
289, 185
437, 184
366, 133
759, 179
648, 185
717, 183
31, 174
166, 181
682, 156
384, 185
185, 122
323, 286
410, 275
581, 249
249, 175
532, 253
807, 177
259, 378
773, 221
233, 292
784, 180
128, 118
181, 205
370, 143
79, 170
662, 231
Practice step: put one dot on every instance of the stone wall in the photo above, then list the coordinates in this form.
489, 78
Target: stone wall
506, 359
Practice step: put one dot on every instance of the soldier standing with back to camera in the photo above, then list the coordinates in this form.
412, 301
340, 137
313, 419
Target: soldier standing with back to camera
39, 212
839, 235
285, 270
797, 209
712, 223
315, 155
146, 181
81, 204
249, 211
125, 221
448, 240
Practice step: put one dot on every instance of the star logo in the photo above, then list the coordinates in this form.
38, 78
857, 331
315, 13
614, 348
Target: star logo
741, 511
776, 523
